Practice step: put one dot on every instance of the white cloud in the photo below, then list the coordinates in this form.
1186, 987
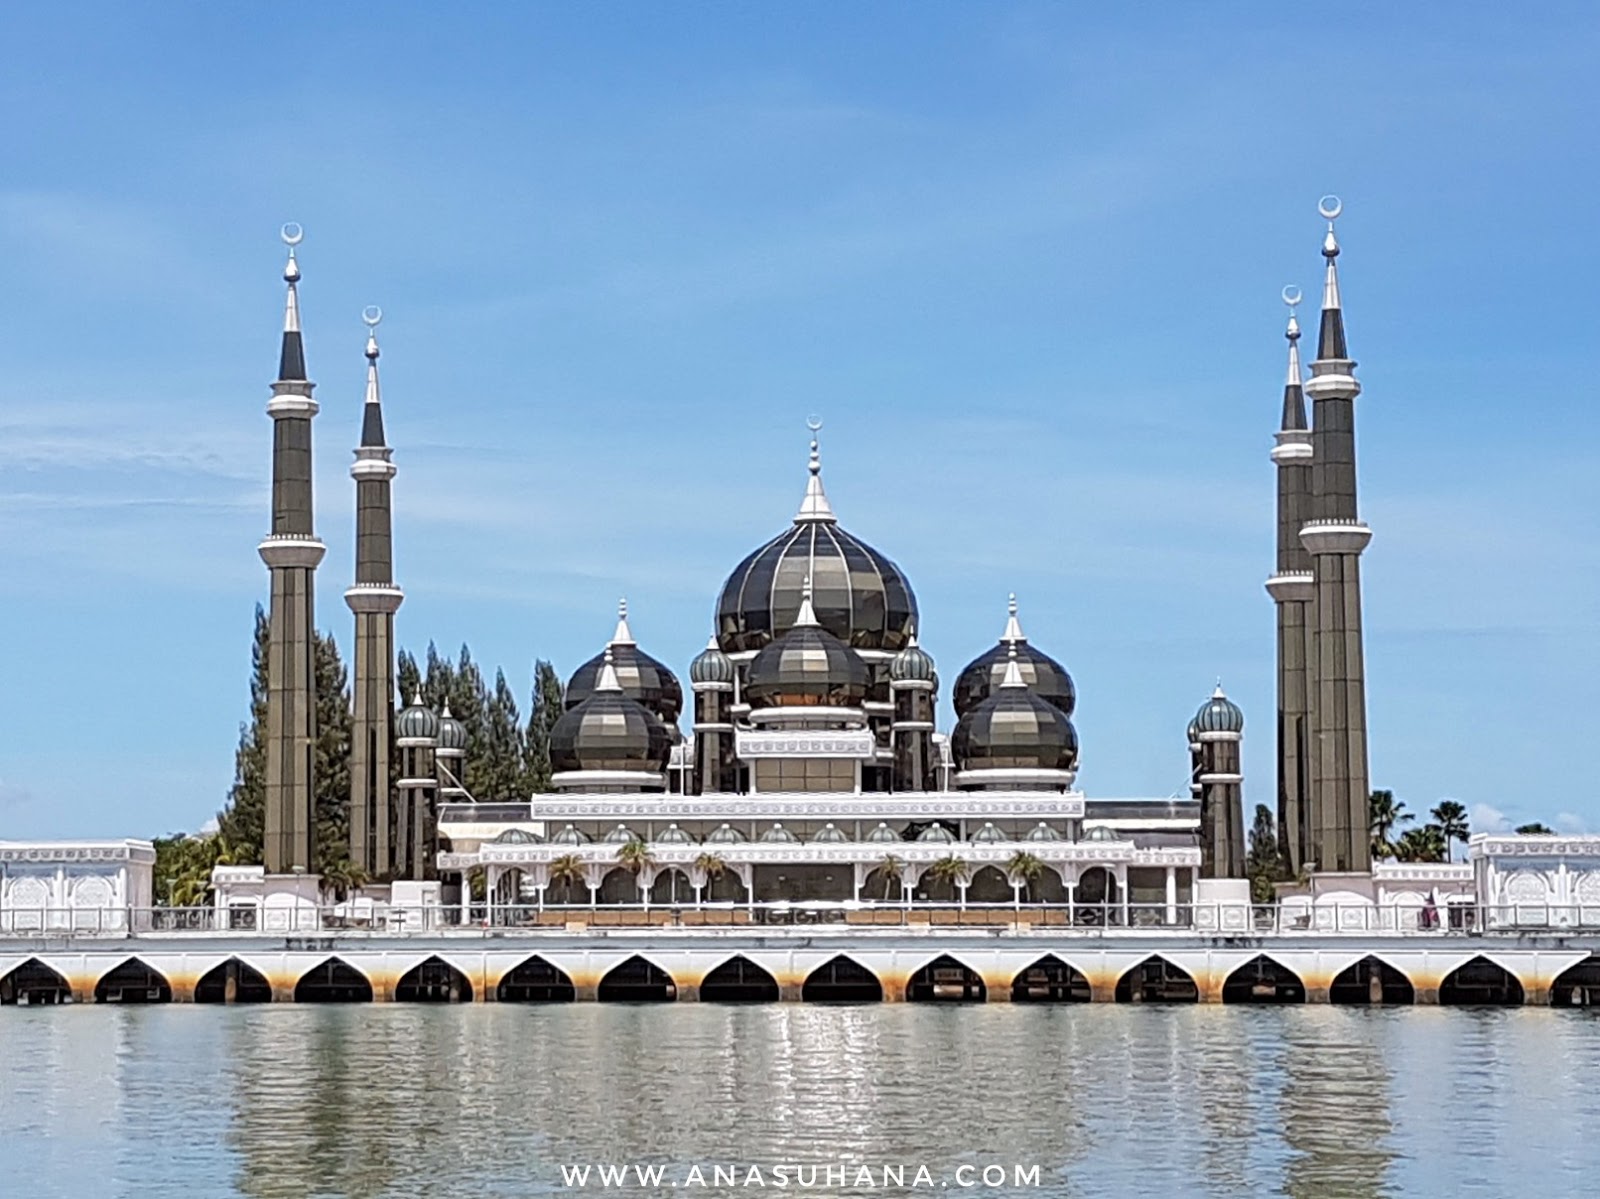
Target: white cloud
1486, 818
1570, 822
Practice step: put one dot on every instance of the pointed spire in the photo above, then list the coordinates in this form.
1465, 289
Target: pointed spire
416, 698
1330, 340
608, 676
806, 617
1013, 671
623, 635
372, 410
815, 506
1294, 399
292, 359
1013, 634
1217, 694
445, 715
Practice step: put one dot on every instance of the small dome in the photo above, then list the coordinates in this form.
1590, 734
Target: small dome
883, 833
608, 731
936, 832
778, 833
518, 836
807, 667
912, 665
673, 835
418, 721
1014, 729
830, 834
641, 677
1219, 714
711, 666
570, 836
1100, 833
1041, 673
1042, 832
1194, 732
725, 835
452, 733
988, 833
621, 835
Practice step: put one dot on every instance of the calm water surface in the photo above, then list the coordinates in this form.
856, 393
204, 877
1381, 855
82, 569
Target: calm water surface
490, 1100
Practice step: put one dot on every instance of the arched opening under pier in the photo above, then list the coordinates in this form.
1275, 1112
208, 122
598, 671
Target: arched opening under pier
535, 981
841, 980
1578, 985
637, 981
34, 983
333, 981
1371, 981
739, 980
1050, 980
249, 985
1262, 980
945, 980
1156, 980
1480, 982
133, 982
433, 981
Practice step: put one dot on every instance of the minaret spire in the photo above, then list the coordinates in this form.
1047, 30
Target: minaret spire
373, 600
815, 506
1330, 339
623, 635
1013, 634
1294, 396
292, 358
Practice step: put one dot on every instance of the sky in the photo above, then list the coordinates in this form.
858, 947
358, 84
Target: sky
1024, 261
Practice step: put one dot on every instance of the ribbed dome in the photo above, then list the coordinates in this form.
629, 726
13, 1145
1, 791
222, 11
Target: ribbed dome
642, 677
1044, 676
711, 666
858, 595
1014, 729
418, 720
609, 731
807, 667
912, 665
1219, 714
452, 733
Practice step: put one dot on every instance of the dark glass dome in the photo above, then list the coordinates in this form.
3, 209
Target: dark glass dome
609, 731
1219, 714
1044, 676
417, 721
807, 666
642, 677
912, 665
1014, 729
859, 596
711, 666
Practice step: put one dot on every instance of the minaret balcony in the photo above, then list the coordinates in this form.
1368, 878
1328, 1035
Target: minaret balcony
1335, 537
292, 399
1297, 452
1331, 380
363, 469
374, 597
287, 550
1292, 587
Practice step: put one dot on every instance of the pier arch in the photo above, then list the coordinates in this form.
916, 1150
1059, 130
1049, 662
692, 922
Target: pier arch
1371, 981
133, 982
637, 980
1050, 980
946, 980
34, 983
1262, 980
1578, 985
433, 981
249, 984
739, 980
842, 980
333, 981
1156, 980
535, 981
1481, 982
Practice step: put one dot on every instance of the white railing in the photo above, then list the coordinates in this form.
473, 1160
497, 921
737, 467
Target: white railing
1077, 919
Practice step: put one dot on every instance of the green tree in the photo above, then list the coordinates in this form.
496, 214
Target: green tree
503, 744
949, 872
1263, 864
1425, 844
546, 708
1536, 829
407, 677
1385, 814
331, 788
1024, 870
1451, 817
243, 816
889, 868
567, 872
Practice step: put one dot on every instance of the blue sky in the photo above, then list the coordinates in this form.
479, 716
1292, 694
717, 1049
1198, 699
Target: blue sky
1024, 261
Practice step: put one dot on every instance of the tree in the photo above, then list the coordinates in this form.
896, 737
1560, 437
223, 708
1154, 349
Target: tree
548, 703
1384, 815
1263, 865
1024, 870
890, 867
243, 816
634, 856
1425, 844
1536, 829
331, 785
1451, 817
950, 872
183, 867
503, 767
567, 871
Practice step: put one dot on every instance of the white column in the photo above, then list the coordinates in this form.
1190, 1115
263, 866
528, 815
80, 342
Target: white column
466, 897
1172, 895
1122, 878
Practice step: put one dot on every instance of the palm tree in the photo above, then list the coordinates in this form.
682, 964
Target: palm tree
1536, 829
1384, 813
634, 856
1024, 869
1451, 818
951, 871
567, 870
890, 868
1425, 844
342, 877
711, 867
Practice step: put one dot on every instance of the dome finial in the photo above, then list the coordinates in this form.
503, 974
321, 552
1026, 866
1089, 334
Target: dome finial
1013, 634
815, 506
446, 712
608, 675
292, 359
807, 614
1294, 404
1013, 670
372, 411
623, 635
1330, 339
1217, 694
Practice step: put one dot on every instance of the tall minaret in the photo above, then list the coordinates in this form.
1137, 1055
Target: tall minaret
1338, 838
291, 552
1291, 588
373, 600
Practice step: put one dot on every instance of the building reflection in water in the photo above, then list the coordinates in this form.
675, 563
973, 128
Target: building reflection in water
1335, 1103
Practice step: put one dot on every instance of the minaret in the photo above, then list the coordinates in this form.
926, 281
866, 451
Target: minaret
416, 824
711, 676
1337, 838
373, 600
914, 683
291, 552
1218, 728
1291, 587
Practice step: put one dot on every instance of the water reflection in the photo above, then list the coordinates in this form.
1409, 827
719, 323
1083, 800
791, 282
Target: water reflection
281, 1101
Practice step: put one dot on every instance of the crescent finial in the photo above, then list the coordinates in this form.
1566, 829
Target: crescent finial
1292, 295
1330, 207
292, 233
814, 423
371, 316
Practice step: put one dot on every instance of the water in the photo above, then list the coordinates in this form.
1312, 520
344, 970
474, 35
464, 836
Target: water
490, 1100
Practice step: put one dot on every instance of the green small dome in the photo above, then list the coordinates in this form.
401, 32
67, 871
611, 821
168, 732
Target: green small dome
712, 666
1219, 714
417, 721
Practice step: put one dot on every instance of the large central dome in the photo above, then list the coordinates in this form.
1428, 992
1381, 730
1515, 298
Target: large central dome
858, 595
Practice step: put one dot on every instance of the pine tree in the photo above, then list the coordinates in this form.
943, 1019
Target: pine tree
1263, 863
332, 765
503, 744
408, 678
548, 704
243, 818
